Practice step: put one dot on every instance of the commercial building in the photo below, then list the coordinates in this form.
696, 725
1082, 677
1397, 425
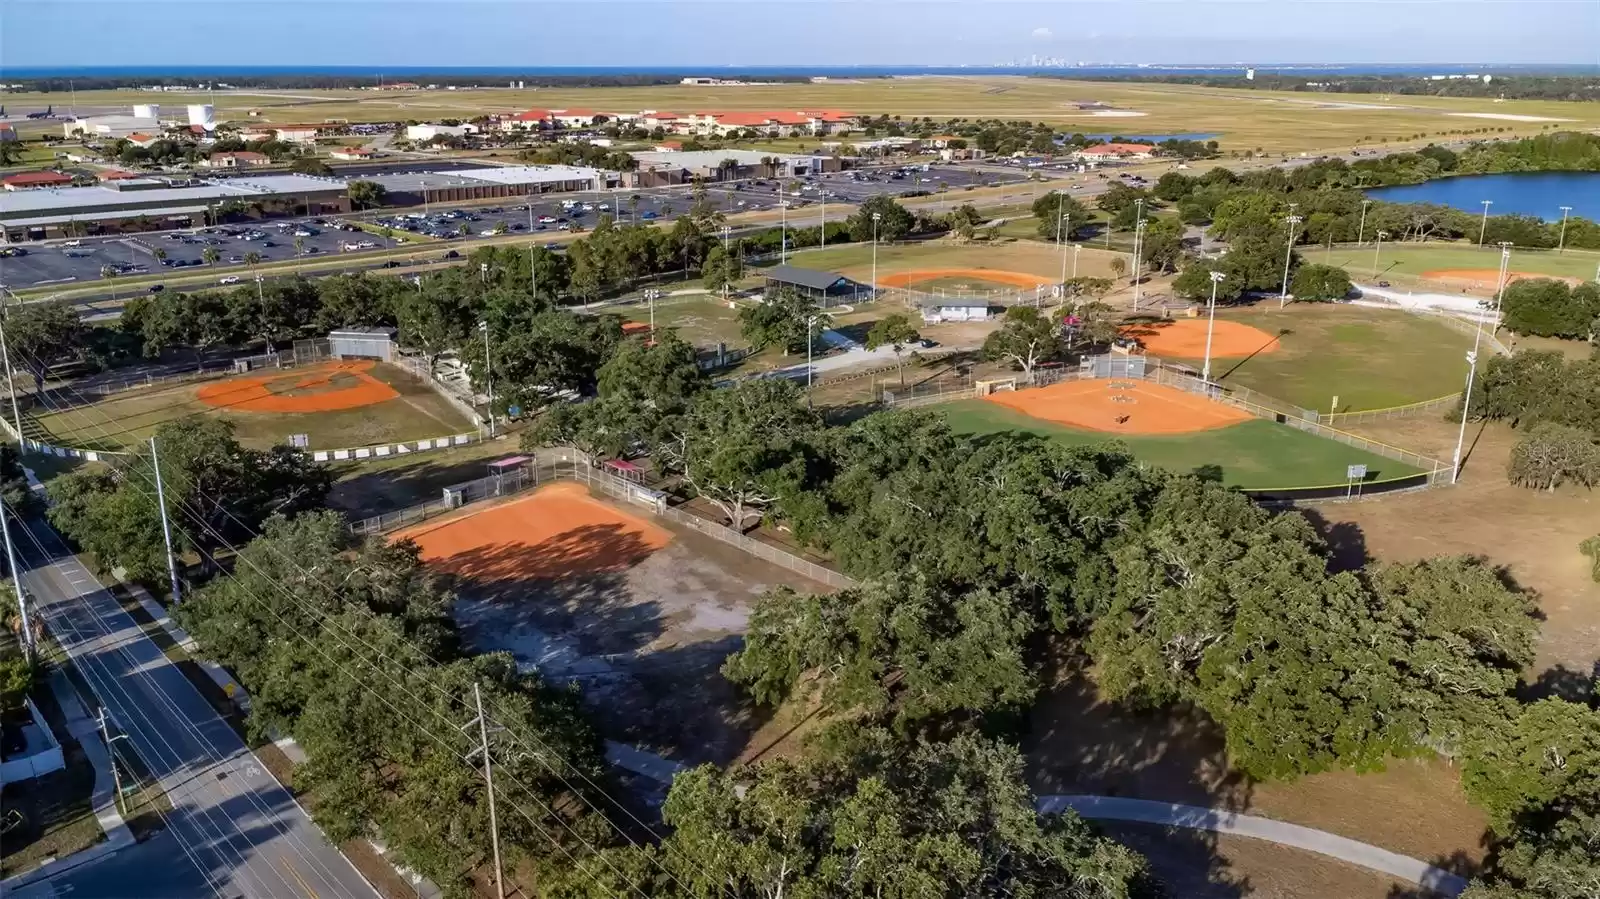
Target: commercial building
419, 188
300, 134
145, 204
35, 180
1108, 152
424, 133
352, 154
658, 168
110, 127
236, 160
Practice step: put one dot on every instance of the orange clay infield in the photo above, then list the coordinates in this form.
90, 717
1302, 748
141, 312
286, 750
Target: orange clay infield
1186, 338
1489, 276
908, 279
1121, 407
322, 388
559, 531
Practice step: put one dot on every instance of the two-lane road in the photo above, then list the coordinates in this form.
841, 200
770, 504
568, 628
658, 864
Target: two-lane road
234, 831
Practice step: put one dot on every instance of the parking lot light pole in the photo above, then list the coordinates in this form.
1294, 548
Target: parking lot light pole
1472, 365
1561, 246
1211, 322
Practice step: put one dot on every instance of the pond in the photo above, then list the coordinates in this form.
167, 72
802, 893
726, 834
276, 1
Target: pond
1539, 194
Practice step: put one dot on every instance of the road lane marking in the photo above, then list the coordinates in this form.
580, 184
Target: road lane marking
295, 873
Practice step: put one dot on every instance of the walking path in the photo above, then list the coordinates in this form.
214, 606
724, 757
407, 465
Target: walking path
1191, 817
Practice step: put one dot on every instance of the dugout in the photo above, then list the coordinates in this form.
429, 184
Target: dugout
362, 343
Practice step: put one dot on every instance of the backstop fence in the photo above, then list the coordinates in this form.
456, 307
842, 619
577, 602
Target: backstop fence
564, 463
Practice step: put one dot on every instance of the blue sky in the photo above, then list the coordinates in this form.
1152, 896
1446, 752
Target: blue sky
789, 32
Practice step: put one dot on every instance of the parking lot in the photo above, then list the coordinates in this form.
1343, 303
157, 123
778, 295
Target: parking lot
65, 263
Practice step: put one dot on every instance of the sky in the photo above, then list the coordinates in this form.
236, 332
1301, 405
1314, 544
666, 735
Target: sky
512, 33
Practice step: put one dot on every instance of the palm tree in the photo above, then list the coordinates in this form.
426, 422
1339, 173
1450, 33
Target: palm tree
110, 274
252, 259
210, 255
299, 246
1119, 266
160, 254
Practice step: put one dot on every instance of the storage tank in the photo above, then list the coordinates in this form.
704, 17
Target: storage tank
204, 115
147, 111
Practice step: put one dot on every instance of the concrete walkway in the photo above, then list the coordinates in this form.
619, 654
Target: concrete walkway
1321, 842
1190, 817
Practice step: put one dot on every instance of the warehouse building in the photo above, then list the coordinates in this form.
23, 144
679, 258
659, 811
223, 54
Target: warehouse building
661, 168
417, 188
148, 204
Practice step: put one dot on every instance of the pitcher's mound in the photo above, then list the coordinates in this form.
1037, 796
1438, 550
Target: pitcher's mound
1186, 339
1121, 406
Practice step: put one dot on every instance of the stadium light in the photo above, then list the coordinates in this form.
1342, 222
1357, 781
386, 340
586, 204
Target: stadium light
1288, 254
1472, 364
1211, 322
1484, 226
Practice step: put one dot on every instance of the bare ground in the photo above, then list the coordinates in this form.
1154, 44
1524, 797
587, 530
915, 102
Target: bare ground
645, 643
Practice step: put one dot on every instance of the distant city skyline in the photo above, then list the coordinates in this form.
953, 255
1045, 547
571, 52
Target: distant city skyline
716, 33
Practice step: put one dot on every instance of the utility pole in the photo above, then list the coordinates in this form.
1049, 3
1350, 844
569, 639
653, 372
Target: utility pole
482, 724
111, 750
11, 378
488, 373
166, 529
28, 649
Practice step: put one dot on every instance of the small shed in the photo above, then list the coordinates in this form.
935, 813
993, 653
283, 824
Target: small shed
820, 286
362, 343
954, 309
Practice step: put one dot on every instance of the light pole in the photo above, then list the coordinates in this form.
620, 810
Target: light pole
1138, 263
1561, 247
1288, 254
28, 649
483, 273
1361, 229
811, 332
876, 217
1472, 365
1075, 249
783, 226
650, 295
1376, 249
488, 373
1483, 226
1063, 226
822, 232
1211, 321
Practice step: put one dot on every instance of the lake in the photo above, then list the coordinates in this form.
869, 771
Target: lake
1525, 193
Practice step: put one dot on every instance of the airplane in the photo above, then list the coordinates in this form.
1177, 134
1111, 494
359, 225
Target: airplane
49, 113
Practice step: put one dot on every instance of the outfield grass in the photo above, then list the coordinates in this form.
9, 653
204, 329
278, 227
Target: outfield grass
1244, 119
1397, 260
1256, 454
122, 420
1027, 256
1369, 358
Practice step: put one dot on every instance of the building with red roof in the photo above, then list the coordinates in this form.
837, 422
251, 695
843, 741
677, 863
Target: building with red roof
35, 180
1117, 151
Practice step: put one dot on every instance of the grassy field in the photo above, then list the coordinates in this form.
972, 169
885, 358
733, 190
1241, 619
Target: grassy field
124, 419
1245, 119
1029, 257
701, 320
1368, 358
1255, 454
1405, 262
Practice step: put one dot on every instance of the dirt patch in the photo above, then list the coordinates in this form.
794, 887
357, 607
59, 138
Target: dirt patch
323, 388
1186, 339
1121, 407
639, 614
994, 276
1488, 277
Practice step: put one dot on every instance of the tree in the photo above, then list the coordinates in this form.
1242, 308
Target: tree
1051, 207
894, 221
723, 267
1540, 765
1314, 283
896, 332
785, 318
866, 816
737, 447
1119, 196
160, 254
10, 152
309, 165
41, 335
1591, 548
965, 219
1026, 337
1552, 454
367, 194
1162, 246
210, 255
1194, 283
908, 647
252, 259
552, 353
1119, 267
1547, 307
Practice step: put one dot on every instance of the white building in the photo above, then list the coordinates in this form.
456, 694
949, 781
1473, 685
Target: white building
952, 309
204, 115
424, 133
110, 127
147, 111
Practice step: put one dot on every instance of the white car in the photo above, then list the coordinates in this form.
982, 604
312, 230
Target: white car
547, 220
602, 207
301, 232
229, 279
72, 243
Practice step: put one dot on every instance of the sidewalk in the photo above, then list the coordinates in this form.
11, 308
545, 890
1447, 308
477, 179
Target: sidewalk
86, 730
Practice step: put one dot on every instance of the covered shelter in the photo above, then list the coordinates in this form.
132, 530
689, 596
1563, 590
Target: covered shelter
823, 287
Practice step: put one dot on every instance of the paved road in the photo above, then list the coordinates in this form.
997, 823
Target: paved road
234, 831
1321, 842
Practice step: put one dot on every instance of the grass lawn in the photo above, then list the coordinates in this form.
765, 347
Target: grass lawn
1031, 257
1409, 261
702, 320
1368, 358
128, 418
1255, 454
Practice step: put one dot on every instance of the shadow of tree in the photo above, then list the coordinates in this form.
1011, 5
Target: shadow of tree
1187, 862
1458, 863
375, 492
1347, 542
